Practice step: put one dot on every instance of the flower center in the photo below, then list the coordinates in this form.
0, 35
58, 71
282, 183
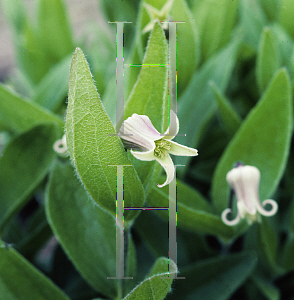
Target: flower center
162, 148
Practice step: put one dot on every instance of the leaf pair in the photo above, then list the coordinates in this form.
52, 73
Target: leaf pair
94, 148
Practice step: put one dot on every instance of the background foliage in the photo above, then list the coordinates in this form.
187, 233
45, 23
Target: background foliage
57, 215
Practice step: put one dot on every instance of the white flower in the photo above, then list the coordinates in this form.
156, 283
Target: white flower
244, 181
158, 15
60, 147
146, 143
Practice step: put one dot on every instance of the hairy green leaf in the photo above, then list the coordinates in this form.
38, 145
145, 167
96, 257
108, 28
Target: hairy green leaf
229, 117
197, 106
215, 20
268, 58
20, 280
158, 282
53, 88
286, 10
20, 115
252, 21
54, 30
24, 163
86, 232
149, 95
188, 43
215, 278
94, 148
285, 43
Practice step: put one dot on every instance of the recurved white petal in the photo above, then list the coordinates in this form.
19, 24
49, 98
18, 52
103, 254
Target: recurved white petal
265, 212
168, 165
181, 150
230, 222
146, 155
173, 128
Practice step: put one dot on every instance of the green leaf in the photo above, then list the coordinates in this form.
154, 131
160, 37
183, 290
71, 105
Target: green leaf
30, 239
268, 58
229, 117
215, 20
20, 280
267, 241
190, 246
187, 39
285, 43
131, 263
103, 66
154, 287
186, 195
193, 211
126, 10
197, 106
14, 11
31, 58
145, 226
287, 258
109, 100
94, 148
22, 84
52, 89
188, 44
252, 21
55, 35
20, 115
85, 231
149, 95
37, 234
266, 288
263, 141
4, 138
270, 8
136, 52
216, 278
286, 15
20, 177
290, 217
26, 41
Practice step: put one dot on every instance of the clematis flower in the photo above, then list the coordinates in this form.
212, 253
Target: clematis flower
146, 143
160, 15
244, 180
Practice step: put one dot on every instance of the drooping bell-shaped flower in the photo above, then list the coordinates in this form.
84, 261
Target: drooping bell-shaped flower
146, 143
244, 180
